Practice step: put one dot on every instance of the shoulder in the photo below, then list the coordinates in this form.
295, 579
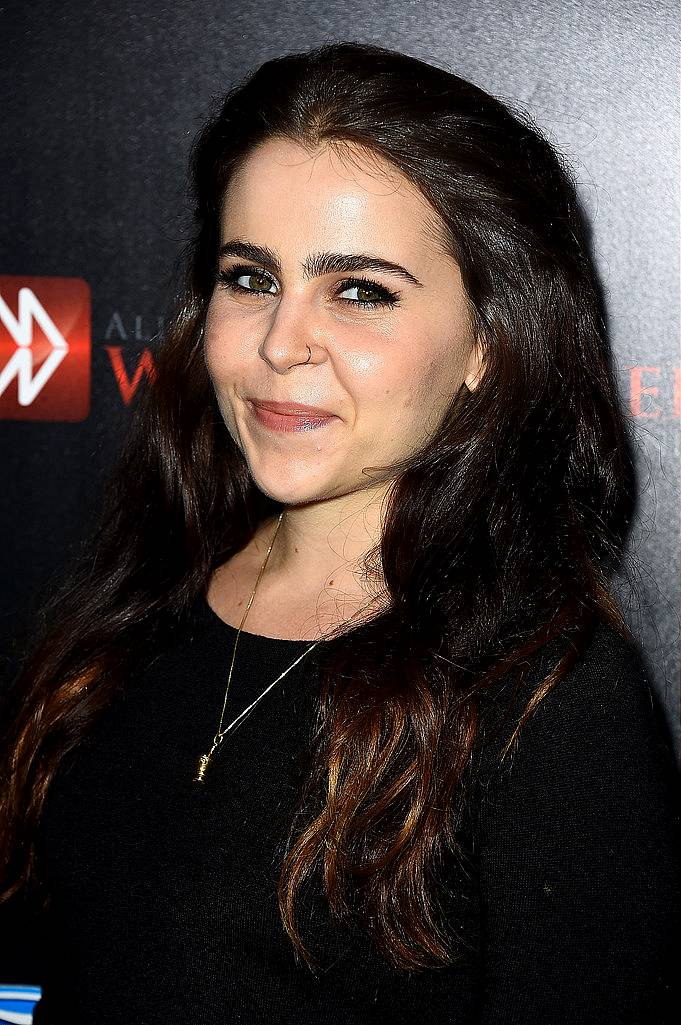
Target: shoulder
607, 681
578, 838
599, 732
607, 687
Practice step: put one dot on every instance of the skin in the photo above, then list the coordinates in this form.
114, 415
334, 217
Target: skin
388, 373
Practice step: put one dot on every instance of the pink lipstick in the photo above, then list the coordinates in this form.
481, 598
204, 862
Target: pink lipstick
289, 416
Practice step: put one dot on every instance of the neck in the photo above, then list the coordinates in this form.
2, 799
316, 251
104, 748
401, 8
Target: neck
320, 542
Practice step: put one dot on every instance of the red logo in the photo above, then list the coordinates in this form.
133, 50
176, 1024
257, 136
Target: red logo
44, 348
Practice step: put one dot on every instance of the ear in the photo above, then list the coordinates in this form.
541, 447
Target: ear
474, 367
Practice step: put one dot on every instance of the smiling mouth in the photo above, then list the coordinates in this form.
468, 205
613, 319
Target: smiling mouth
289, 417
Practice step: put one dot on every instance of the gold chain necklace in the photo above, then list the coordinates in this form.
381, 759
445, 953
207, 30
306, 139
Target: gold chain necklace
205, 759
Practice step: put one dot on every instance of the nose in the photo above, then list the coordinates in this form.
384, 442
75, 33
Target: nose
288, 344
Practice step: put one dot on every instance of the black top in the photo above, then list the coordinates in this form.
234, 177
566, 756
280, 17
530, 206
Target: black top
163, 892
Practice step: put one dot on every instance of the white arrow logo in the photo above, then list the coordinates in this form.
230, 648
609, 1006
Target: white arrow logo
21, 363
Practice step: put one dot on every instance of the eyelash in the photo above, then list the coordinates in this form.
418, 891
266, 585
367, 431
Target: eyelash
228, 279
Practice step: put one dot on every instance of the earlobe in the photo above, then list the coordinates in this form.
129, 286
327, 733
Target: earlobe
474, 369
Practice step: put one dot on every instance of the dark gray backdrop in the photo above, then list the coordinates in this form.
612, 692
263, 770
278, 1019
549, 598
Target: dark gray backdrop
100, 102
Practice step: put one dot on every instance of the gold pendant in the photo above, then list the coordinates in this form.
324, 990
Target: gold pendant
204, 762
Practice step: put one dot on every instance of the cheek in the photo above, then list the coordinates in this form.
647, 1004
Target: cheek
225, 342
373, 363
220, 361
213, 350
217, 359
418, 389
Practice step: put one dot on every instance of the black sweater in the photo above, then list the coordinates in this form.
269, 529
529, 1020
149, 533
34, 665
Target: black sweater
163, 906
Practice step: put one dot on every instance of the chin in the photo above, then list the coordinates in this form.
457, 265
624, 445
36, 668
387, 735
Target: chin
291, 489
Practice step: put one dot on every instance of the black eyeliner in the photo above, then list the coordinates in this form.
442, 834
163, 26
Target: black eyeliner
386, 297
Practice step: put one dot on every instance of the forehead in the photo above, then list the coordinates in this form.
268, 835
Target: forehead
335, 196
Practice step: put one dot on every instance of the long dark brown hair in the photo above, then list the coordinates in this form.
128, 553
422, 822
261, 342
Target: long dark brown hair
499, 537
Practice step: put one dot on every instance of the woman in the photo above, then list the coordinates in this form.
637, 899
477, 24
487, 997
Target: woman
384, 437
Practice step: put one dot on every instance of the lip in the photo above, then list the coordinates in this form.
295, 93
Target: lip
291, 408
290, 416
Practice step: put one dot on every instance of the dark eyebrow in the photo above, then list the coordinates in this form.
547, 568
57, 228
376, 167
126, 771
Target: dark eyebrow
318, 263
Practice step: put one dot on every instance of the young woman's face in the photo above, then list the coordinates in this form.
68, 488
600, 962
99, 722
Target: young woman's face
298, 316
